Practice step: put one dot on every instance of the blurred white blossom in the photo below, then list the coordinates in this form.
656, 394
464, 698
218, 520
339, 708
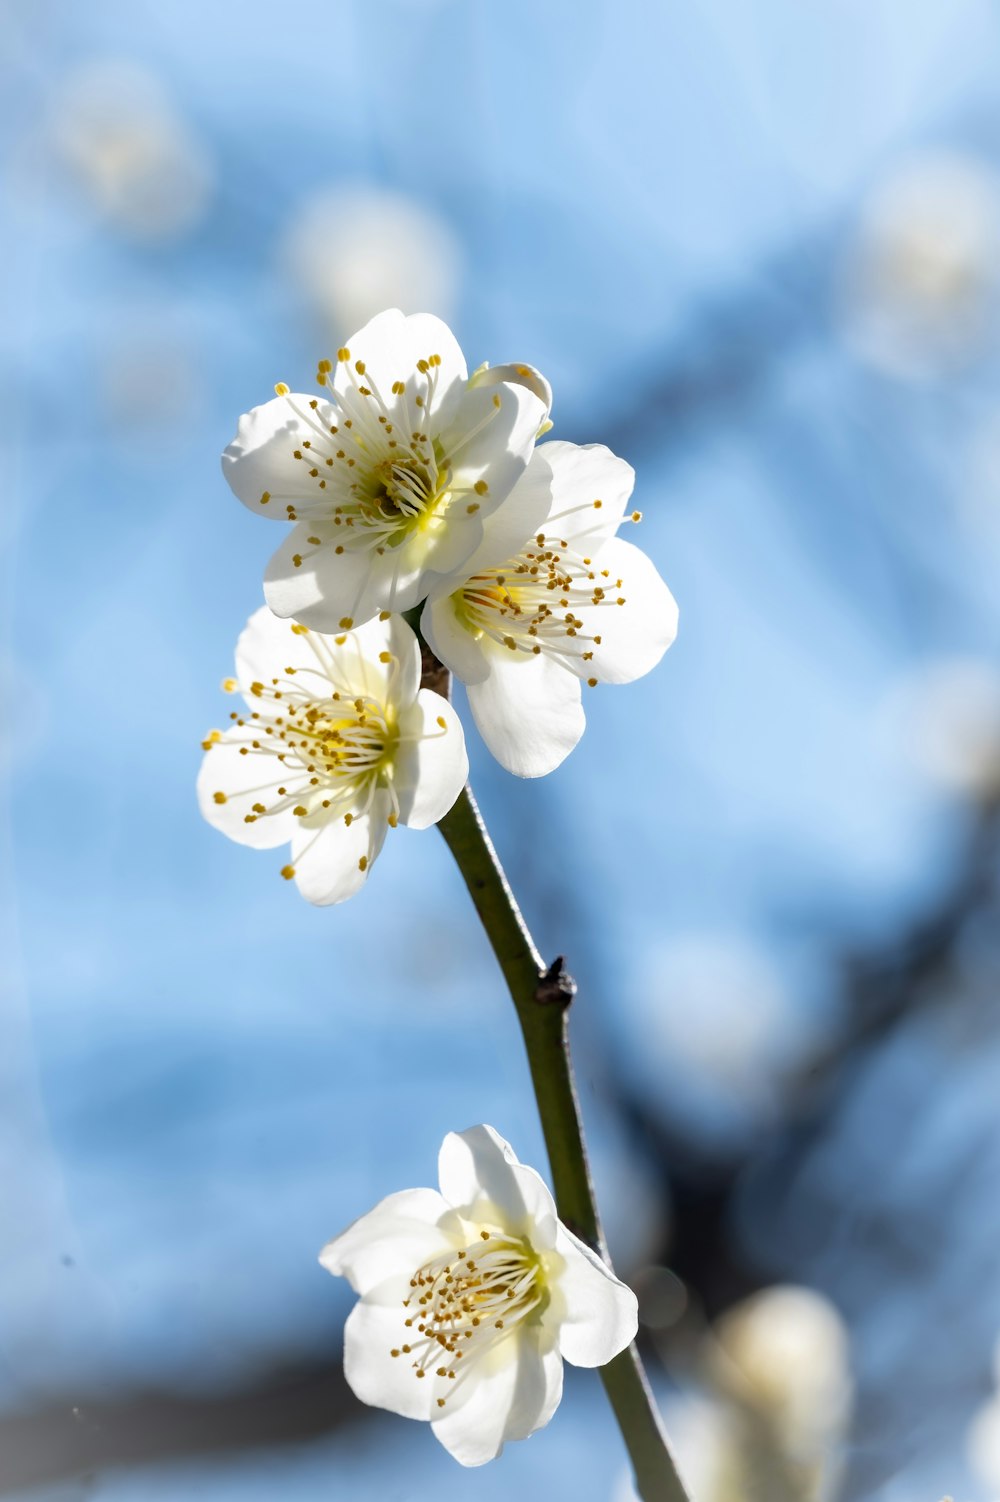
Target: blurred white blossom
784, 1352
922, 279
135, 156
353, 250
983, 1443
945, 717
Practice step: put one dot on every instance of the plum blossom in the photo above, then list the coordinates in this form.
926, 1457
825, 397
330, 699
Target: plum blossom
551, 600
337, 743
471, 1299
388, 474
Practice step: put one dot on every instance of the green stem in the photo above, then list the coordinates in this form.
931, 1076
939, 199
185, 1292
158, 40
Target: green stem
542, 998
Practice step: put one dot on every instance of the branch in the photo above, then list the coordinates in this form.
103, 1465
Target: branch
542, 998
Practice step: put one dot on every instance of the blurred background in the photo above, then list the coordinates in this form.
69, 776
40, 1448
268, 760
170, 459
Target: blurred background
757, 251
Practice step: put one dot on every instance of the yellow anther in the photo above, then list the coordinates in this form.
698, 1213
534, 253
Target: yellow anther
280, 389
343, 354
496, 402
637, 516
393, 821
212, 739
384, 615
592, 682
359, 366
219, 798
363, 866
480, 487
300, 630
442, 722
265, 497
300, 811
288, 872
385, 657
348, 820
256, 689
259, 808
472, 507
315, 541
423, 367
398, 388
346, 622
598, 505
297, 559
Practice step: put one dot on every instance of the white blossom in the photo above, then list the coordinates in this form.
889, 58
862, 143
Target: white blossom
471, 1299
337, 744
551, 599
388, 474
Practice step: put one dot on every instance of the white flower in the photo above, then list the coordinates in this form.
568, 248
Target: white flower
389, 474
472, 1298
550, 598
338, 743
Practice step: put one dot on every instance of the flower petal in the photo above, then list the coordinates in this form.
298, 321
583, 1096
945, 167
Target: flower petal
634, 636
333, 862
316, 584
399, 1235
260, 465
375, 1329
389, 346
507, 529
490, 441
231, 782
596, 1314
432, 763
528, 711
589, 488
517, 374
511, 1393
478, 1168
266, 647
451, 640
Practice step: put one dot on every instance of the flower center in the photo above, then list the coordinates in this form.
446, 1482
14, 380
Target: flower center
374, 470
531, 603
334, 748
464, 1303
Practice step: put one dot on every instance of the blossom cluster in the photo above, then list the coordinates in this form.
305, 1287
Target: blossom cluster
412, 486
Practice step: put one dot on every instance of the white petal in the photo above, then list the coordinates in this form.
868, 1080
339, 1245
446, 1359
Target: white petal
634, 636
260, 460
511, 1394
580, 477
266, 647
359, 659
389, 346
528, 711
326, 587
519, 375
397, 1237
432, 765
374, 1329
452, 641
242, 781
596, 1314
507, 529
328, 861
478, 1168
491, 439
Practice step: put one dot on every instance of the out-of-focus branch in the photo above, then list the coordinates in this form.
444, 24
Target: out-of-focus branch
71, 1437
